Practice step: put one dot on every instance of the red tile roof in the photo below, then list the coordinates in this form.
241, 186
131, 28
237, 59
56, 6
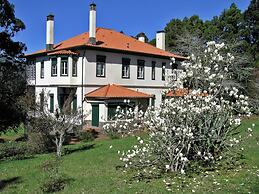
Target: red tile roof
63, 52
110, 39
179, 92
115, 91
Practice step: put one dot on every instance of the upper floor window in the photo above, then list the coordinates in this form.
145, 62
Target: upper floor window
30, 70
141, 69
54, 69
163, 71
153, 70
74, 67
125, 68
42, 69
64, 66
100, 66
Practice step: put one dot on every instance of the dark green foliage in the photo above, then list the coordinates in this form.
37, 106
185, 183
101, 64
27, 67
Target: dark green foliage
14, 150
251, 16
39, 143
89, 135
12, 68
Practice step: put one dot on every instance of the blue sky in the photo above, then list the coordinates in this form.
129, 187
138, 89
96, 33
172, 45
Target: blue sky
130, 16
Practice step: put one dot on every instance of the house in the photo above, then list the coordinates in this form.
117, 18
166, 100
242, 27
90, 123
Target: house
103, 68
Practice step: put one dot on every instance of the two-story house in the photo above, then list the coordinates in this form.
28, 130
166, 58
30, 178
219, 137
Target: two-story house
103, 67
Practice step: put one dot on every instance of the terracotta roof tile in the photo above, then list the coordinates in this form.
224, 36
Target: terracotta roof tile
179, 92
63, 52
110, 39
115, 91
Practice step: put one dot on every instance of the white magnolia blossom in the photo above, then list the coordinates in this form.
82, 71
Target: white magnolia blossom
196, 127
125, 122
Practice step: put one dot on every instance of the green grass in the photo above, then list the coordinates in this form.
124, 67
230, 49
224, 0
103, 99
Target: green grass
94, 170
13, 134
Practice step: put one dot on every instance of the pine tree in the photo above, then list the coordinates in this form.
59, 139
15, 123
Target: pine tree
12, 69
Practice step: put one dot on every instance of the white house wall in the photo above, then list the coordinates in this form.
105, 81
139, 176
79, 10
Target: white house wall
113, 75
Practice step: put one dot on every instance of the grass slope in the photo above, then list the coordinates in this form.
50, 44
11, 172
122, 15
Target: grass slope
93, 170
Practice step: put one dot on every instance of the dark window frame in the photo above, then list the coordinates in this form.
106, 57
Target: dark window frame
42, 69
163, 70
74, 66
140, 64
125, 63
63, 59
51, 103
153, 70
174, 66
101, 60
52, 74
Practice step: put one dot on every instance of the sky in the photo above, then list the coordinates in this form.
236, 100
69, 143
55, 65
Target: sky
129, 16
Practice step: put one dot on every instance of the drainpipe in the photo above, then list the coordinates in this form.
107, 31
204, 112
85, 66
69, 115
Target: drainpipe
82, 91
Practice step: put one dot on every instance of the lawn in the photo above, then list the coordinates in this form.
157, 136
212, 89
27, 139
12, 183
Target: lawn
95, 170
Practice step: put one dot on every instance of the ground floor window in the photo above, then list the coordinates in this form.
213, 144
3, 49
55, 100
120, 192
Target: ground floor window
51, 103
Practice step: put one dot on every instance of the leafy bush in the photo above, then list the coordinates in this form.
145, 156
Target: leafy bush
14, 150
88, 135
39, 142
54, 181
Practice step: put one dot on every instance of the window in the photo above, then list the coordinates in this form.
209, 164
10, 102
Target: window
30, 70
141, 69
51, 103
42, 69
163, 71
74, 67
174, 66
153, 71
75, 104
64, 66
125, 68
54, 69
100, 66
153, 101
41, 101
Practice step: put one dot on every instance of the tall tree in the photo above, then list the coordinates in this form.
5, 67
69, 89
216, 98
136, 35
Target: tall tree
12, 68
251, 16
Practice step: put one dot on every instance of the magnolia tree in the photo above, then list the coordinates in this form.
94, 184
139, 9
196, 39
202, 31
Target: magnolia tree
124, 122
199, 127
59, 124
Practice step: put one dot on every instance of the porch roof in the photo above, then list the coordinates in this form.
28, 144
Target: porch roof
115, 91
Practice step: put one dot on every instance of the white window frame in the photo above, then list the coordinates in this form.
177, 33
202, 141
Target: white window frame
125, 68
64, 66
141, 69
54, 72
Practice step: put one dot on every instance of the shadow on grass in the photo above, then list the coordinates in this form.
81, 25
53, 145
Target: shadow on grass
70, 150
12, 158
4, 183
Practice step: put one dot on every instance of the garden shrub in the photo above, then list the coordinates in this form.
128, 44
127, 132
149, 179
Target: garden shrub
14, 150
54, 180
87, 135
39, 142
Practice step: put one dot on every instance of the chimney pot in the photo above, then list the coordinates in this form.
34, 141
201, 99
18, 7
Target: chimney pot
50, 32
92, 24
141, 37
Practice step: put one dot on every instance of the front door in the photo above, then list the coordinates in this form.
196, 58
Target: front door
95, 115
